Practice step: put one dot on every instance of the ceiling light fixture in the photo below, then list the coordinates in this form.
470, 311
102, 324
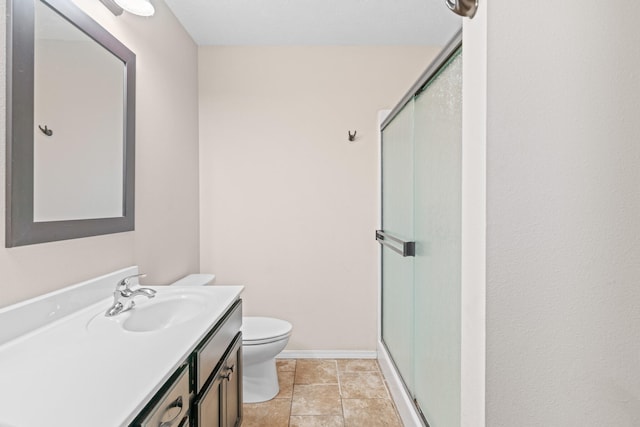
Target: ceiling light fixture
137, 7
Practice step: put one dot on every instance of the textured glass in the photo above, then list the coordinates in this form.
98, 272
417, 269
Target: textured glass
437, 222
421, 202
397, 220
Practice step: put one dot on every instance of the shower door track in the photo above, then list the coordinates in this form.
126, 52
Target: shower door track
434, 68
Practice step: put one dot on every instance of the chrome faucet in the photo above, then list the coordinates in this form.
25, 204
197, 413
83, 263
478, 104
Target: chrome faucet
123, 296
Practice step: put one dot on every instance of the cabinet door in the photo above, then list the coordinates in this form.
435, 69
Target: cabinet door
209, 407
233, 385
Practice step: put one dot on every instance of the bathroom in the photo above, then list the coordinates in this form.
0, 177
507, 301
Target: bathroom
287, 207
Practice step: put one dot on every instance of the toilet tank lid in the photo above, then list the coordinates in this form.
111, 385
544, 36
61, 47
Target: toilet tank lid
260, 328
195, 280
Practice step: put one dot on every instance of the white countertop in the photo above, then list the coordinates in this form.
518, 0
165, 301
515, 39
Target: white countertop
69, 374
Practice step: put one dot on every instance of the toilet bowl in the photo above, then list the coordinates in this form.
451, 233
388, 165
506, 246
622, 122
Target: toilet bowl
263, 338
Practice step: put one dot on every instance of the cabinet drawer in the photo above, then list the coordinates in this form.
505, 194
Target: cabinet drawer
173, 407
211, 351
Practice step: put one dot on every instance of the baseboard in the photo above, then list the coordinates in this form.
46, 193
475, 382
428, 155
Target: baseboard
401, 398
327, 354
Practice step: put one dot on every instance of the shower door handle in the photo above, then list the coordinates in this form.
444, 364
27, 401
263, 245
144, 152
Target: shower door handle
397, 245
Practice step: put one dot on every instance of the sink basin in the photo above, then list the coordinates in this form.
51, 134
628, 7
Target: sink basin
168, 309
162, 314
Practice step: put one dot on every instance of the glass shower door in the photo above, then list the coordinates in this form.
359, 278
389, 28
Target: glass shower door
437, 211
397, 222
421, 204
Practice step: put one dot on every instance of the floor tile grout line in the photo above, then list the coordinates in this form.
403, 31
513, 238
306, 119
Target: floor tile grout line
338, 379
293, 386
340, 391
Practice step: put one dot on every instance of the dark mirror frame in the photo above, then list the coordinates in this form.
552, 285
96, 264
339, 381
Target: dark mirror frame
20, 226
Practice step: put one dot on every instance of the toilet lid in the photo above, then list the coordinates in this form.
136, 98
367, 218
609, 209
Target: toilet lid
262, 328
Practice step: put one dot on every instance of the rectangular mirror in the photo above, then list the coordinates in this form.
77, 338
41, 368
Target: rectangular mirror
70, 125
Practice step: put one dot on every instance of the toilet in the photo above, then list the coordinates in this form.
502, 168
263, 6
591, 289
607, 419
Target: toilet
263, 338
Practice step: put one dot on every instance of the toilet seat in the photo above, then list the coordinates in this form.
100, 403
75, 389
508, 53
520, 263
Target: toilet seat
262, 330
265, 341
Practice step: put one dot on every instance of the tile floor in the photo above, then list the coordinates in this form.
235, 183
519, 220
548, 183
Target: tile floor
326, 393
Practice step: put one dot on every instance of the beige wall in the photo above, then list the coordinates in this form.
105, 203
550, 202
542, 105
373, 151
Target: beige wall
288, 205
165, 243
563, 215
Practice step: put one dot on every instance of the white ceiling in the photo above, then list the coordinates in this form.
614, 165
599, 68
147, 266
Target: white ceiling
316, 22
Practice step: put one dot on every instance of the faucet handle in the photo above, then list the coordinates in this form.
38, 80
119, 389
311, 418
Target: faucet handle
125, 282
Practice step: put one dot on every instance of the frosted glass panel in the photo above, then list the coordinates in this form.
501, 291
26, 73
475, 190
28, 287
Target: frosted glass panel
397, 220
421, 202
438, 168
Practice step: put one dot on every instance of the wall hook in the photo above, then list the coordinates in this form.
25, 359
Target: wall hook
352, 137
46, 130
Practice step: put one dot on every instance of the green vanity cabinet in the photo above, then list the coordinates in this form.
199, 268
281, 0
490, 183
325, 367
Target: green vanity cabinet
205, 391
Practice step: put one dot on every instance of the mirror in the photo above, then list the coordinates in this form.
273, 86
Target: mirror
70, 133
77, 150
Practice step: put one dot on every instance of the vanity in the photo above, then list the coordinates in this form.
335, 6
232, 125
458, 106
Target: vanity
207, 389
174, 360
